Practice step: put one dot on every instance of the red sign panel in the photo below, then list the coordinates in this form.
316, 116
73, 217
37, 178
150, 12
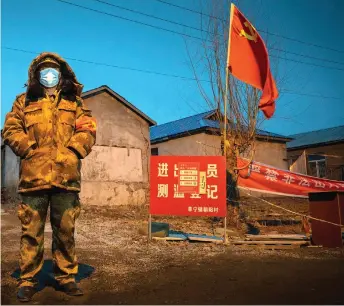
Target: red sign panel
264, 178
188, 186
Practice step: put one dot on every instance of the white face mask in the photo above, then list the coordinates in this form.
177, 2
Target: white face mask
49, 77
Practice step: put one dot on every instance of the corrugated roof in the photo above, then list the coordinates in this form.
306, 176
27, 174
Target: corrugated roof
180, 126
325, 136
193, 123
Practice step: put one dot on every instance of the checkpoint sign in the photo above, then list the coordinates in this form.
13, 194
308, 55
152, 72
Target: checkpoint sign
188, 186
188, 176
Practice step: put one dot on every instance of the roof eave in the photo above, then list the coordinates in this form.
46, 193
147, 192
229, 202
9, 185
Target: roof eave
319, 144
213, 130
107, 89
179, 135
281, 139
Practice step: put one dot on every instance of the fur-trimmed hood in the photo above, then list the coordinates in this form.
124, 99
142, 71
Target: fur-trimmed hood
69, 85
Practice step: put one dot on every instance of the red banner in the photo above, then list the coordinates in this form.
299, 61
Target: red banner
264, 178
188, 185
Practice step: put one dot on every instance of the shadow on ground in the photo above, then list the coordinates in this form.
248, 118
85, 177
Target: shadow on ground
46, 276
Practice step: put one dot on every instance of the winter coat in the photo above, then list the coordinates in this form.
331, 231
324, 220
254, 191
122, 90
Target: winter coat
50, 135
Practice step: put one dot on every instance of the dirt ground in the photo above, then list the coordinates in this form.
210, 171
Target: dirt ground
118, 266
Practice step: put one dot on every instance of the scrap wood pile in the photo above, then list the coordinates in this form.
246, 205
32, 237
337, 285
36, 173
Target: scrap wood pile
253, 216
274, 241
162, 231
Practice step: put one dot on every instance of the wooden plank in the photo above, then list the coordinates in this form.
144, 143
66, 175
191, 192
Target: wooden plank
271, 247
275, 242
205, 238
171, 238
277, 236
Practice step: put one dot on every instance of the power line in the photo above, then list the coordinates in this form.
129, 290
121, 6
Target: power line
274, 34
190, 10
131, 20
305, 63
307, 56
286, 91
151, 16
178, 33
109, 65
201, 30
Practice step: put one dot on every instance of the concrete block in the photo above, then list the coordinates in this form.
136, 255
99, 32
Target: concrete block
138, 197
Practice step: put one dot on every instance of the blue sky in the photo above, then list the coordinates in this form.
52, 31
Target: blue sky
39, 25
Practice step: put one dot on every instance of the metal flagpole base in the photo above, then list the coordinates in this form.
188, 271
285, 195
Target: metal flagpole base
225, 230
150, 227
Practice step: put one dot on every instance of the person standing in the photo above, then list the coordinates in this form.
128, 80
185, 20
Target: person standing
51, 130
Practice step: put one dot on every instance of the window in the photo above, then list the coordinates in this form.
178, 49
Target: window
317, 165
154, 151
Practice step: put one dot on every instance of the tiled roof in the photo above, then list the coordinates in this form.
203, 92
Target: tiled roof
325, 136
193, 123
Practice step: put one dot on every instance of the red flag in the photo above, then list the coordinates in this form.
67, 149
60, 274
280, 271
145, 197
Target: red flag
248, 60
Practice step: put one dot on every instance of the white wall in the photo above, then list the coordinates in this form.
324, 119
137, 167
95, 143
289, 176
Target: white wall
9, 171
113, 164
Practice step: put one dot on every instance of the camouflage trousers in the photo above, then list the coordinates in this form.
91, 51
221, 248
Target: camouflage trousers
32, 212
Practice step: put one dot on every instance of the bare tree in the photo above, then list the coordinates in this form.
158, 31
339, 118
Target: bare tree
226, 92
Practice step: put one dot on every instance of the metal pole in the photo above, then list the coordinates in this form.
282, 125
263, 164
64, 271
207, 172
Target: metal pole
227, 79
150, 227
225, 229
225, 118
225, 109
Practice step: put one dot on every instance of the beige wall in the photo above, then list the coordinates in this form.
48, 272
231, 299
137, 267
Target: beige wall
271, 153
333, 162
9, 172
117, 170
198, 144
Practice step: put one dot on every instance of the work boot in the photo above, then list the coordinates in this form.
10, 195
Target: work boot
72, 289
26, 293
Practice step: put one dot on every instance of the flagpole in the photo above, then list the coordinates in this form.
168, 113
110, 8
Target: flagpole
227, 73
225, 108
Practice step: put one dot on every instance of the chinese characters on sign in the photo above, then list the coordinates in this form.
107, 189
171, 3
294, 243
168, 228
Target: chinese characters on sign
189, 177
268, 179
203, 209
183, 185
